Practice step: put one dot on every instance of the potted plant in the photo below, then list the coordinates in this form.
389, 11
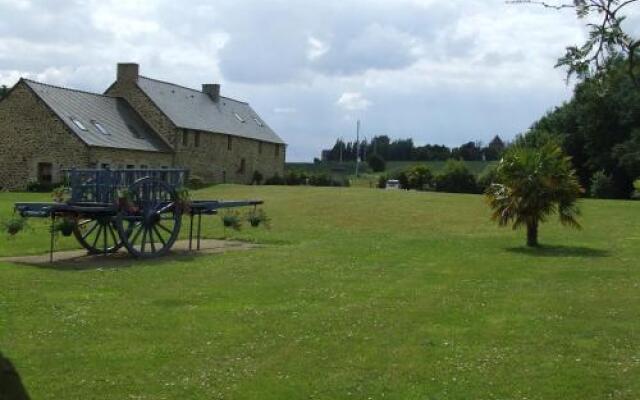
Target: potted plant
60, 194
14, 225
65, 226
257, 217
183, 203
231, 219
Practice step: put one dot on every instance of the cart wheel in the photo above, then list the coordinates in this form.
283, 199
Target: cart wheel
150, 224
98, 234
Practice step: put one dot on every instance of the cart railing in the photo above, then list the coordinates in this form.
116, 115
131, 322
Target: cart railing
102, 185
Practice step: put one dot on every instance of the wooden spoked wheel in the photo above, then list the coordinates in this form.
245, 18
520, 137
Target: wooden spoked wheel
98, 234
150, 223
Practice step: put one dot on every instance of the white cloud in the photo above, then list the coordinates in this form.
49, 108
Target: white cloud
443, 72
353, 101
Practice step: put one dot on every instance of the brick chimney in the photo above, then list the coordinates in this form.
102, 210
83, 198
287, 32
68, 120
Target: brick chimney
128, 72
211, 89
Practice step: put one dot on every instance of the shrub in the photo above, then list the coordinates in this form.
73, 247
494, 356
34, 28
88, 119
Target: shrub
419, 177
382, 181
293, 178
488, 177
34, 186
376, 163
403, 179
257, 178
602, 186
274, 180
195, 183
456, 178
320, 180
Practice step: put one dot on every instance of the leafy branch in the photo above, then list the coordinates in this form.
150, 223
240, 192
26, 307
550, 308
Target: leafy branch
607, 40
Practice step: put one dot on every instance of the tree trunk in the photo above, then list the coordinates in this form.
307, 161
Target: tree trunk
532, 234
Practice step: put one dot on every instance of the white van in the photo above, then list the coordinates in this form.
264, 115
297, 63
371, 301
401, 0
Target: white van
393, 184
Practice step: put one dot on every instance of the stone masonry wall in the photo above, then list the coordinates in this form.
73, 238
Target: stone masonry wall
30, 133
122, 159
212, 160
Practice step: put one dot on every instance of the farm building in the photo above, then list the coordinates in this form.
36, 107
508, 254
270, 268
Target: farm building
138, 122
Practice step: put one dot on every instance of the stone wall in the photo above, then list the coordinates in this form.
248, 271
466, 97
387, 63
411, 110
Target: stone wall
30, 133
122, 159
214, 162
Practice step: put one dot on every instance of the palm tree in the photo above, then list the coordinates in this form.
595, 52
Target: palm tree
532, 183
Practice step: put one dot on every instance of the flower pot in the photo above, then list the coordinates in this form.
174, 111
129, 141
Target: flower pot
255, 222
67, 231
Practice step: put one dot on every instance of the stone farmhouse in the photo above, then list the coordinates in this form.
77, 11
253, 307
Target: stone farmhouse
137, 123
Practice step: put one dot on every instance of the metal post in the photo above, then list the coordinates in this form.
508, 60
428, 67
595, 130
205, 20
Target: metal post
357, 147
53, 221
199, 228
190, 229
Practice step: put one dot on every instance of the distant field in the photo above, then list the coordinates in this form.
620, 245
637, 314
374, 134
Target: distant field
349, 168
366, 178
362, 294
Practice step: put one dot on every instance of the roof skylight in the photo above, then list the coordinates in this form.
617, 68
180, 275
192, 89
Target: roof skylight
100, 127
239, 118
260, 124
79, 124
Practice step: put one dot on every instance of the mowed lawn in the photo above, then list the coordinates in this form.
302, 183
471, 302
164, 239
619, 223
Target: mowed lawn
358, 293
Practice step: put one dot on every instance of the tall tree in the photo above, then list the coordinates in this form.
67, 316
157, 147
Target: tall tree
534, 182
597, 128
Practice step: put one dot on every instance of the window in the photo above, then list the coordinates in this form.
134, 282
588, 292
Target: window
196, 139
259, 147
243, 166
239, 118
229, 143
79, 124
260, 124
143, 166
277, 150
131, 166
105, 166
45, 173
185, 138
100, 127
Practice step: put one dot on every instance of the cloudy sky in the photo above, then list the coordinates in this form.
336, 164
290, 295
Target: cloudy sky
439, 71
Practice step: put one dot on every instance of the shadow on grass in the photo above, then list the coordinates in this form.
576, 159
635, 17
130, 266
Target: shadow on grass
560, 251
11, 386
80, 261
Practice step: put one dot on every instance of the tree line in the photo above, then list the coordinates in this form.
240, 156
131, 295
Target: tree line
4, 90
405, 150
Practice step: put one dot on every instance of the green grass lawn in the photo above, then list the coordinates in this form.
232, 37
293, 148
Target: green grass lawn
358, 294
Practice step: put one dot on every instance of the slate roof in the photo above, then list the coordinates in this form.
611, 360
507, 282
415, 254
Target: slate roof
125, 128
193, 109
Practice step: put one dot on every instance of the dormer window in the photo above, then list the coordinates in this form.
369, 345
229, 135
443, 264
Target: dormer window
100, 128
79, 124
239, 118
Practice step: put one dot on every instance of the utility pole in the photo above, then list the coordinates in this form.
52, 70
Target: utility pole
357, 147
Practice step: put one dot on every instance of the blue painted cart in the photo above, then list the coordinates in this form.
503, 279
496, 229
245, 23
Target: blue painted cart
140, 210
